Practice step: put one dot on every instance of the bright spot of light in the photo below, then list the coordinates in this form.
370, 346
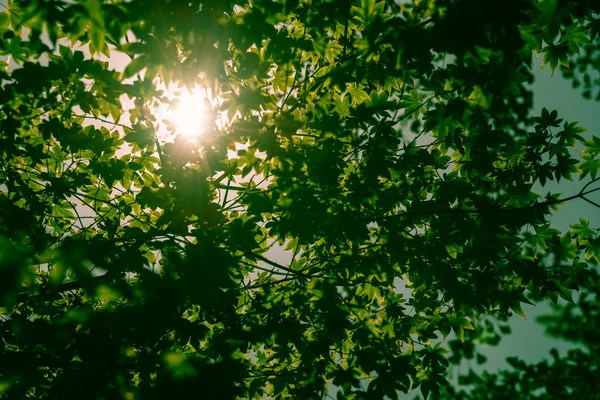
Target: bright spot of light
188, 113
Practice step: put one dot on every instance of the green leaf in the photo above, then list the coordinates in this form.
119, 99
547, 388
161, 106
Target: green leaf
391, 83
357, 94
283, 78
459, 331
135, 66
592, 147
570, 134
135, 166
63, 211
58, 272
478, 97
97, 36
342, 106
332, 50
589, 165
4, 21
518, 310
554, 55
575, 36
140, 135
582, 229
134, 48
593, 250
465, 323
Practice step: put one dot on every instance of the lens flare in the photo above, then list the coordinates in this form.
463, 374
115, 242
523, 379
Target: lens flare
188, 114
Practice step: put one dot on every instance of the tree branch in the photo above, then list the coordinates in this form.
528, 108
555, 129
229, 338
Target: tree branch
56, 292
580, 195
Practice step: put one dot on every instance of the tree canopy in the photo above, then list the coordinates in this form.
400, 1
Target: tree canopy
573, 375
390, 147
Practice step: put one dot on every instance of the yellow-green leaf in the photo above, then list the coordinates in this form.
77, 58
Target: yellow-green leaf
518, 310
135, 66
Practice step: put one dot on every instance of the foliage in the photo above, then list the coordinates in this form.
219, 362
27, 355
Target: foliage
384, 145
565, 377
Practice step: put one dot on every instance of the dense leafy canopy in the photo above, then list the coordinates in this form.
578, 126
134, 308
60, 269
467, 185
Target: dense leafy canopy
574, 375
389, 146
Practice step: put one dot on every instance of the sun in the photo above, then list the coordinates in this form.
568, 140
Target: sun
188, 113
